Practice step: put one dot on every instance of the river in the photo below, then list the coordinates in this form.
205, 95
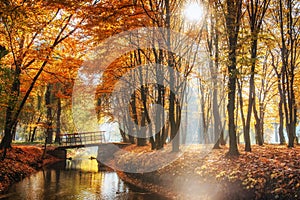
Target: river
75, 179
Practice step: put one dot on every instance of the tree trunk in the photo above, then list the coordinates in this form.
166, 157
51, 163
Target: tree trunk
14, 130
141, 140
130, 129
123, 135
29, 134
48, 101
251, 95
174, 135
35, 128
292, 101
258, 126
233, 17
246, 129
288, 69
10, 119
184, 128
158, 120
134, 110
213, 48
280, 112
58, 125
216, 115
222, 139
204, 123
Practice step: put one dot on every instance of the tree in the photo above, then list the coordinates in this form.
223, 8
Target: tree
214, 65
233, 17
285, 15
32, 47
49, 113
256, 11
275, 64
289, 41
264, 93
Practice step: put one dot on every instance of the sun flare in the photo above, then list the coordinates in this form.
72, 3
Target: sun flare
193, 12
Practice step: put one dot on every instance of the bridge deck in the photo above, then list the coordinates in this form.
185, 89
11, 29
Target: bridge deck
76, 140
86, 139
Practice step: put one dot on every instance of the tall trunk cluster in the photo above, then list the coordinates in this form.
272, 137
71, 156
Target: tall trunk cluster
288, 57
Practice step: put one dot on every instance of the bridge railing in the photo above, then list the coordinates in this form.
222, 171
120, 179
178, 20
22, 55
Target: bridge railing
82, 138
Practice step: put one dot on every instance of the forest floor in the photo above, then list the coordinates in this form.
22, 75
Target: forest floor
20, 162
268, 172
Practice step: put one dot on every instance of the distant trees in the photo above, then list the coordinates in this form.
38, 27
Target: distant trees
289, 46
253, 46
285, 55
254, 20
167, 95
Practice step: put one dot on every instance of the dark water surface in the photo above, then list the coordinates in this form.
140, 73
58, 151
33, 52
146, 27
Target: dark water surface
75, 179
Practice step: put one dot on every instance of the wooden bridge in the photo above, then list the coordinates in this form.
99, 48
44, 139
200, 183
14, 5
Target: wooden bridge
86, 139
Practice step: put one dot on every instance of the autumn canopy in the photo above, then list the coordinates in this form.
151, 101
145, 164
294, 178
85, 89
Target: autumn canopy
220, 71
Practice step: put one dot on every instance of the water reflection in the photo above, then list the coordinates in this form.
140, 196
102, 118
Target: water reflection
83, 165
78, 179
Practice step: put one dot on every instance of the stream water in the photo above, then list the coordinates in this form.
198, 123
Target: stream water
75, 179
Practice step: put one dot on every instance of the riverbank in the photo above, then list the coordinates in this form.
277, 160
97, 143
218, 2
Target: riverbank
268, 172
20, 162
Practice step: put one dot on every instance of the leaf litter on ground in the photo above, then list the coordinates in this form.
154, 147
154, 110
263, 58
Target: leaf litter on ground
269, 171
